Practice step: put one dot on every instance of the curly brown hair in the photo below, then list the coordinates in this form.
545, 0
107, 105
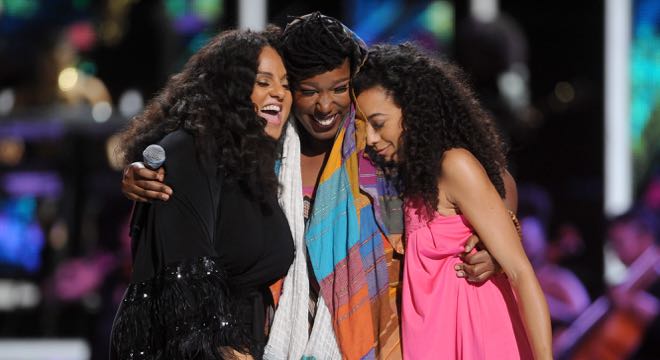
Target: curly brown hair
439, 113
210, 98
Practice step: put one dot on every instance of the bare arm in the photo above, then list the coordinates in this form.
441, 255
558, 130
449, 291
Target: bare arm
467, 186
143, 184
511, 198
479, 266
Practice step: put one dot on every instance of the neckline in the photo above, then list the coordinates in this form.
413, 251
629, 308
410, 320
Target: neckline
437, 216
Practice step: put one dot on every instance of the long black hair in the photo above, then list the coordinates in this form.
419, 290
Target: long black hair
210, 98
439, 113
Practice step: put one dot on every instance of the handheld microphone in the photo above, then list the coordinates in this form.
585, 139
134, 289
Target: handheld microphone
153, 157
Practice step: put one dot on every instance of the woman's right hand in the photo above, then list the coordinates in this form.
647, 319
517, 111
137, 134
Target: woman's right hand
142, 184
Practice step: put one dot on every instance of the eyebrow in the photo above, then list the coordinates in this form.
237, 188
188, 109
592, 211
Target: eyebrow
315, 84
270, 74
374, 115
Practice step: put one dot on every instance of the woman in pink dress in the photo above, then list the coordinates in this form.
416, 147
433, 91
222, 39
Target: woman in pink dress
425, 126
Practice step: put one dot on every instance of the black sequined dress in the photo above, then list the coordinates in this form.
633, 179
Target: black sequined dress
202, 265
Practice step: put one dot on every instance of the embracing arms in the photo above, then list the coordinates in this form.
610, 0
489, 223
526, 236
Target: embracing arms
142, 184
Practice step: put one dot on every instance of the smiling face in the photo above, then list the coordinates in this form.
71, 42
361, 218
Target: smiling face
271, 95
322, 101
384, 121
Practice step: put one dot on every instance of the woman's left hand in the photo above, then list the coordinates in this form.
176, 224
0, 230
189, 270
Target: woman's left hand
477, 266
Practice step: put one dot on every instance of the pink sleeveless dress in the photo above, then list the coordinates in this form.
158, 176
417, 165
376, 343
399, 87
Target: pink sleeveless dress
445, 317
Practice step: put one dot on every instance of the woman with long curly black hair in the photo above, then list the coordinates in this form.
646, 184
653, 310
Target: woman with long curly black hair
422, 119
204, 260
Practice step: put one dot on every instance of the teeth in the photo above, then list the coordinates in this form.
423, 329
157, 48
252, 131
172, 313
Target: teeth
326, 122
271, 108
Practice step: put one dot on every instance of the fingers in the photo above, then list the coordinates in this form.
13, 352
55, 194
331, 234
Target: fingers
481, 256
153, 195
148, 174
161, 173
143, 184
134, 193
127, 187
144, 192
476, 267
473, 273
460, 273
471, 243
480, 278
155, 186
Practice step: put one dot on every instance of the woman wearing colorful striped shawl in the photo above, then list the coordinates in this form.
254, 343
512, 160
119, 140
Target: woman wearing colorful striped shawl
352, 312
339, 298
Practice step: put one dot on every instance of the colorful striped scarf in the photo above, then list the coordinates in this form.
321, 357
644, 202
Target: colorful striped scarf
347, 241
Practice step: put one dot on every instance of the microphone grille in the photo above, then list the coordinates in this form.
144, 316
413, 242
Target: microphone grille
153, 156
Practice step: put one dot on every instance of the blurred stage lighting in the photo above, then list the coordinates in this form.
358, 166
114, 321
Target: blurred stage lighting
21, 237
198, 41
439, 19
617, 143
430, 24
39, 349
192, 16
644, 70
87, 67
58, 236
68, 79
209, 10
511, 85
18, 295
82, 35
20, 8
484, 10
81, 4
564, 92
102, 111
32, 183
11, 151
7, 100
130, 103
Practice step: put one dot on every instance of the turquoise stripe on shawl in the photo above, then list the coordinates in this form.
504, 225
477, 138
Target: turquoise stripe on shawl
333, 225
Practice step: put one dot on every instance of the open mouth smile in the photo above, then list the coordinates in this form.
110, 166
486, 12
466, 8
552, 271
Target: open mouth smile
272, 113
